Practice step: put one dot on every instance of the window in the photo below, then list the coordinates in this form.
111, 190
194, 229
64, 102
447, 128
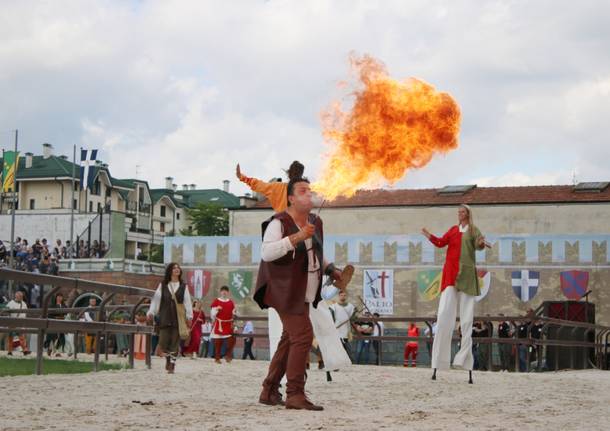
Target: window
99, 207
75, 204
32, 202
162, 227
97, 186
76, 186
177, 216
90, 206
162, 211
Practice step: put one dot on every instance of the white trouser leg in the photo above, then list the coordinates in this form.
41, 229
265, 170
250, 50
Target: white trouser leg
464, 357
441, 347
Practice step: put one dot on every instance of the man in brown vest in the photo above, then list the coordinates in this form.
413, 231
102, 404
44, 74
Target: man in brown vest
289, 280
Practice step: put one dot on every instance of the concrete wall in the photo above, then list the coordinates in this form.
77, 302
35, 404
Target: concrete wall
47, 225
544, 238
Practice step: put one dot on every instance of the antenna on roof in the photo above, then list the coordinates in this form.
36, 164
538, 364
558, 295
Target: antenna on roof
137, 171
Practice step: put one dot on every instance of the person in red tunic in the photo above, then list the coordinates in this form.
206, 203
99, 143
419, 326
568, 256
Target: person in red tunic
223, 310
411, 346
198, 319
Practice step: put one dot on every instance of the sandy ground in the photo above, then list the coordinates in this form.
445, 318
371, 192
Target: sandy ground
207, 396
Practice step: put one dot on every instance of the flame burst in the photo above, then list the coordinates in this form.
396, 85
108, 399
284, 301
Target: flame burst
393, 127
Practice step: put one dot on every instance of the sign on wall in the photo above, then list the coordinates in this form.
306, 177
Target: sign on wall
378, 290
240, 283
198, 282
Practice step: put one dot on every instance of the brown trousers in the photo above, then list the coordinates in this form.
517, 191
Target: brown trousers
218, 347
291, 355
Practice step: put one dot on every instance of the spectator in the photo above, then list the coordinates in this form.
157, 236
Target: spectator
17, 304
89, 316
505, 331
55, 342
522, 332
248, 341
411, 345
103, 249
365, 329
377, 332
3, 252
205, 348
536, 333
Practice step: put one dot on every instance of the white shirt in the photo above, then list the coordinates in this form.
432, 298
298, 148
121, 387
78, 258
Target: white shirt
173, 286
14, 305
378, 329
248, 328
275, 247
343, 313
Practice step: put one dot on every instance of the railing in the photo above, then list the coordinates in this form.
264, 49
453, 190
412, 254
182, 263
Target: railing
600, 346
43, 324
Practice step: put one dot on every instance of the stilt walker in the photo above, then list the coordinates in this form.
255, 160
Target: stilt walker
459, 287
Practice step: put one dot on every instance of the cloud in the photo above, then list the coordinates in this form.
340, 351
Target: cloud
188, 89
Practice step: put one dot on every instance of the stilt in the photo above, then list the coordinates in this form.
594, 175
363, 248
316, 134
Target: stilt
470, 377
434, 375
329, 378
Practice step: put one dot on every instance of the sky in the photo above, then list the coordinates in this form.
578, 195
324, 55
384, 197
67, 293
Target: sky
189, 88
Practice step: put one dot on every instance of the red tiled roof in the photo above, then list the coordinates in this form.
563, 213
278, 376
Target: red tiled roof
476, 196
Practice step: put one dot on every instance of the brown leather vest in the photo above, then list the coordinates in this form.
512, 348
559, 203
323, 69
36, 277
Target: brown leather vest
282, 283
167, 309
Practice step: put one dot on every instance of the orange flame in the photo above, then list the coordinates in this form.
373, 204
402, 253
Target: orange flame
392, 127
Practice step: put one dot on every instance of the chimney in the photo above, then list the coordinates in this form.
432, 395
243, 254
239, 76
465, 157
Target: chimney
168, 182
105, 165
174, 187
29, 157
185, 186
63, 157
225, 185
47, 150
192, 187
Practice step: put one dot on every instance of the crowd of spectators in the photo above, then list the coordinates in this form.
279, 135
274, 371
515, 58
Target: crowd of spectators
44, 256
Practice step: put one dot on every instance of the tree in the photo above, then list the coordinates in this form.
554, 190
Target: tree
207, 220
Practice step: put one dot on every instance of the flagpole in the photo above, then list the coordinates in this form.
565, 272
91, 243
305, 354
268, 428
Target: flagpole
72, 202
16, 160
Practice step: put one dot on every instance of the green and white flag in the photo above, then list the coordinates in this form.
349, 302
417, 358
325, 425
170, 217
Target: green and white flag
240, 283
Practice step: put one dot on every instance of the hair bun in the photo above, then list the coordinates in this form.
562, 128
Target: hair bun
295, 170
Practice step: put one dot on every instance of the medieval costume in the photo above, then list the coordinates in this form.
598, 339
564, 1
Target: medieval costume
290, 281
459, 287
163, 304
192, 348
223, 310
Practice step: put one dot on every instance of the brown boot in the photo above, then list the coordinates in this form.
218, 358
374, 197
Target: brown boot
172, 367
300, 402
271, 397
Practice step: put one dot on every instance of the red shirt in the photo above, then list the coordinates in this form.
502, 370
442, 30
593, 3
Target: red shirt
452, 239
413, 332
223, 324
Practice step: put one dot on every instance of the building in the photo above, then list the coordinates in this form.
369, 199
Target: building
126, 214
537, 235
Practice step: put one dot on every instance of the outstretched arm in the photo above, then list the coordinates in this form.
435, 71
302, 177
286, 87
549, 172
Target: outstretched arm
439, 242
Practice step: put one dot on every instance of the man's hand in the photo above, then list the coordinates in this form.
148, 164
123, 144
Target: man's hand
336, 275
481, 242
189, 323
238, 172
308, 230
425, 232
149, 318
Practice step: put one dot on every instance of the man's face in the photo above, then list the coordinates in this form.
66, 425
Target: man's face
301, 197
92, 302
18, 296
342, 297
224, 294
59, 299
